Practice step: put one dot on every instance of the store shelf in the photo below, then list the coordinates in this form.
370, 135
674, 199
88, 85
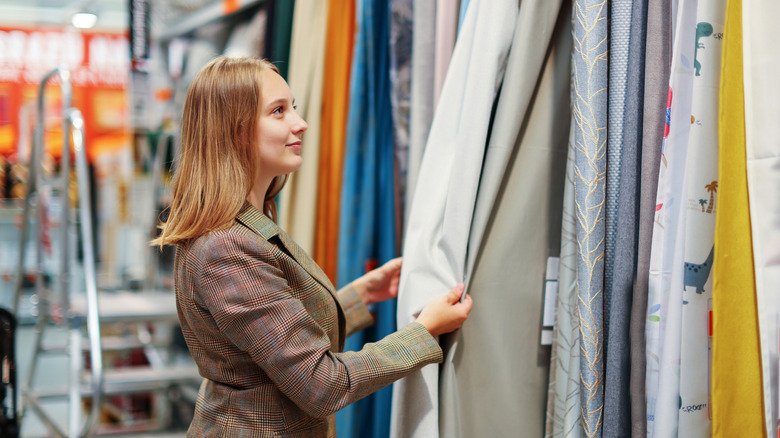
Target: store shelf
206, 15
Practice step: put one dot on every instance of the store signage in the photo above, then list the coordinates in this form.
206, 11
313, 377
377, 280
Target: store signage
94, 59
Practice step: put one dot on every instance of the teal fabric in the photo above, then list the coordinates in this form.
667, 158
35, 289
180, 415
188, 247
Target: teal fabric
367, 224
589, 75
281, 28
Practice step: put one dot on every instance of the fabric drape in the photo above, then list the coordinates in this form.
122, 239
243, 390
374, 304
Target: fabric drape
401, 29
367, 226
617, 396
762, 104
656, 89
621, 202
298, 203
665, 301
421, 111
442, 205
338, 64
700, 203
619, 41
464, 6
563, 399
737, 402
282, 28
446, 32
523, 171
589, 110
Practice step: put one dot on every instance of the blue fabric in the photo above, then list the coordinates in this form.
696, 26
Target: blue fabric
589, 109
464, 5
367, 225
620, 278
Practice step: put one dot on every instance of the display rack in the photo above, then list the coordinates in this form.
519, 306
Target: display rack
145, 317
205, 15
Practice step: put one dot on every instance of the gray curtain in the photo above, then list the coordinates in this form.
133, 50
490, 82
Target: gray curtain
656, 84
494, 377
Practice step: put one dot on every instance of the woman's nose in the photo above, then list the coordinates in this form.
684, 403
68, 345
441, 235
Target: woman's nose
300, 126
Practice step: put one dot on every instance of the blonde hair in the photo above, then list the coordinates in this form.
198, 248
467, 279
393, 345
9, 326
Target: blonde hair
218, 162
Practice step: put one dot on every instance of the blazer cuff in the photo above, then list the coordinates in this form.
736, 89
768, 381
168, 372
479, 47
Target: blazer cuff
426, 347
357, 314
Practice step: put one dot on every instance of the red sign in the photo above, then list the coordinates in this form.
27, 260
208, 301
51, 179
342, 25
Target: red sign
99, 65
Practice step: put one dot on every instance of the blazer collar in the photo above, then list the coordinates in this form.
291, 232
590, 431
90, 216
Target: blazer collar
261, 224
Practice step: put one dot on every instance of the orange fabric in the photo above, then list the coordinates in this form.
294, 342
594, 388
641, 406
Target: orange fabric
335, 110
737, 401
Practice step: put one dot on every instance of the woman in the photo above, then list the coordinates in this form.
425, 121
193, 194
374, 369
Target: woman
261, 319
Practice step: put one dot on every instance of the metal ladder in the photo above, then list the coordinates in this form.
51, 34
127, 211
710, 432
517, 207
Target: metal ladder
87, 311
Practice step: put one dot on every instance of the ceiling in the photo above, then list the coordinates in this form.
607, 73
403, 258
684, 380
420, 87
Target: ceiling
112, 14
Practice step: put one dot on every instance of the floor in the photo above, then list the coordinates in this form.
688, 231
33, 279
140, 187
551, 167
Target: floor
52, 371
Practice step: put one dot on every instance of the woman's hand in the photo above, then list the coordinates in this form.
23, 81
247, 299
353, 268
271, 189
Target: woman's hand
379, 284
446, 312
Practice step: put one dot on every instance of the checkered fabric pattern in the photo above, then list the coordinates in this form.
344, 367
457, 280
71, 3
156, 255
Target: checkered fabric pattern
266, 328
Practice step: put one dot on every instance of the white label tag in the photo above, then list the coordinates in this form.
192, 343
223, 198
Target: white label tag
550, 295
553, 266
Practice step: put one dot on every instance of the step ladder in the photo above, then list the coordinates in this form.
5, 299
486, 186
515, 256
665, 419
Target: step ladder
81, 310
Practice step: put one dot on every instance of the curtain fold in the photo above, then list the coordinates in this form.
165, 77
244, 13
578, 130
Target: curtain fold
446, 32
335, 95
298, 200
665, 290
658, 54
401, 30
737, 398
522, 171
423, 80
563, 399
589, 111
442, 205
367, 225
700, 203
762, 104
621, 201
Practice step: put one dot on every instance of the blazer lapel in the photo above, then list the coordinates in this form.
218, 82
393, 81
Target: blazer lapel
258, 222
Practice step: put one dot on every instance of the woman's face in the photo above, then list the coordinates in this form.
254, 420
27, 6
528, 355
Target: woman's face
280, 128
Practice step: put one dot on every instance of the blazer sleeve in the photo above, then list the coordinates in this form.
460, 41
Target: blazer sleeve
253, 306
357, 314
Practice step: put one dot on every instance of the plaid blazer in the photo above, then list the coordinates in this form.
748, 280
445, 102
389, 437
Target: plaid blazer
266, 328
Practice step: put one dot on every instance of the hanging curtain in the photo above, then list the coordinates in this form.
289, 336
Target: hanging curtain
440, 217
338, 63
589, 110
282, 26
421, 111
656, 89
625, 190
700, 202
298, 203
464, 5
401, 29
667, 252
446, 32
563, 398
367, 227
737, 401
523, 171
762, 105
619, 250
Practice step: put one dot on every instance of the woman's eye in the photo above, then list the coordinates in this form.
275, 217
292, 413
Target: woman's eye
278, 110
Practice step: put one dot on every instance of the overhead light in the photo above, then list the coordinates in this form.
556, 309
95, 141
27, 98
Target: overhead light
84, 20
